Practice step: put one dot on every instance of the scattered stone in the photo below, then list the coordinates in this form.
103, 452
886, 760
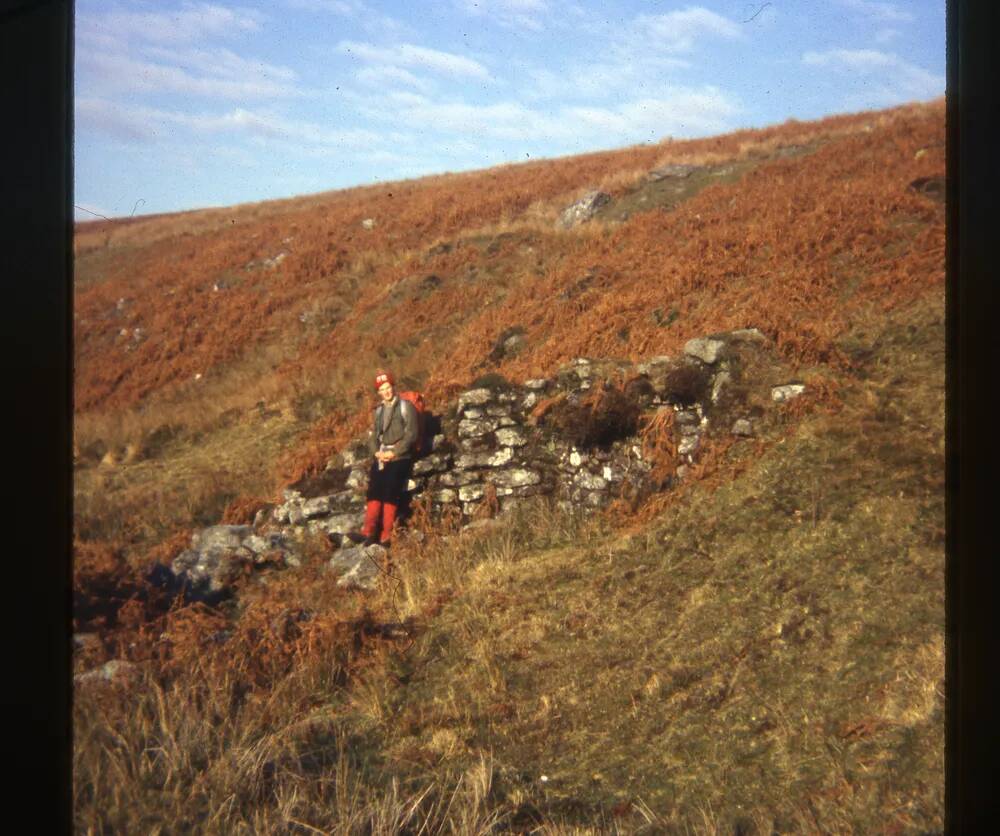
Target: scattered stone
511, 437
280, 514
503, 456
583, 209
357, 480
260, 518
477, 427
357, 567
433, 463
368, 223
510, 343
262, 545
470, 460
471, 493
220, 537
516, 478
474, 397
340, 525
457, 478
317, 507
590, 481
612, 474
689, 445
780, 394
267, 263
754, 335
722, 379
354, 455
742, 427
706, 349
206, 575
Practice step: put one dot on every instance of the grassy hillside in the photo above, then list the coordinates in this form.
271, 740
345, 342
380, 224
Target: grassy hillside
760, 651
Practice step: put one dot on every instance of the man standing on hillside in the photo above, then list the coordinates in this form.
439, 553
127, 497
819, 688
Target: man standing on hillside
393, 435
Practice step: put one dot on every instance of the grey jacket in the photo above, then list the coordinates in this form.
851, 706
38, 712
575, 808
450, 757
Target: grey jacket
401, 432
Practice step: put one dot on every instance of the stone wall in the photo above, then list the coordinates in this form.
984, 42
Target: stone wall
574, 437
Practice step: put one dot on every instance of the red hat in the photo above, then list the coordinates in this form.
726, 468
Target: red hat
384, 377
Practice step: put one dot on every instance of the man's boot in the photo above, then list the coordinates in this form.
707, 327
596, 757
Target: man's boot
388, 518
373, 511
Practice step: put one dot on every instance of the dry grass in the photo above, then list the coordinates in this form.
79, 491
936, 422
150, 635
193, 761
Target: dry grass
759, 651
767, 655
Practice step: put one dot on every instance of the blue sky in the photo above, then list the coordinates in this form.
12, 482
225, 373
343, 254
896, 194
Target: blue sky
181, 105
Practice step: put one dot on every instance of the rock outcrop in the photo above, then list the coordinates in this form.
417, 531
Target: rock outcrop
678, 170
583, 209
220, 554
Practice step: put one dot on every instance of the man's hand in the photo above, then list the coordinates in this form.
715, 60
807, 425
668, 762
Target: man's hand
385, 455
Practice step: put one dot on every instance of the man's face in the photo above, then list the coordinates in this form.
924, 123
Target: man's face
385, 391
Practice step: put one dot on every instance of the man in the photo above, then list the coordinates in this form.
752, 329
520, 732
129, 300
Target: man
393, 435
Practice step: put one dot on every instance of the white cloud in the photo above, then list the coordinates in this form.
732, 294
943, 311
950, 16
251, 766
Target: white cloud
121, 73
382, 75
632, 57
339, 7
190, 23
618, 76
681, 112
513, 13
503, 120
362, 13
104, 117
679, 31
145, 124
677, 111
886, 78
853, 59
175, 52
878, 11
884, 36
224, 63
410, 55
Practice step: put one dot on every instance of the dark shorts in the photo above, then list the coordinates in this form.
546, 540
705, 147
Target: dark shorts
389, 483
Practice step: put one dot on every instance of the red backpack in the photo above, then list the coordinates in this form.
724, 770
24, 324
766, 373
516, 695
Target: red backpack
417, 400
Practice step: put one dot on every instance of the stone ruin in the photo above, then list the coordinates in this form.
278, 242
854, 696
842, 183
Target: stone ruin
574, 437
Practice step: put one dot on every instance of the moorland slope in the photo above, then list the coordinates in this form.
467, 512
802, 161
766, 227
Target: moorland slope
761, 650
